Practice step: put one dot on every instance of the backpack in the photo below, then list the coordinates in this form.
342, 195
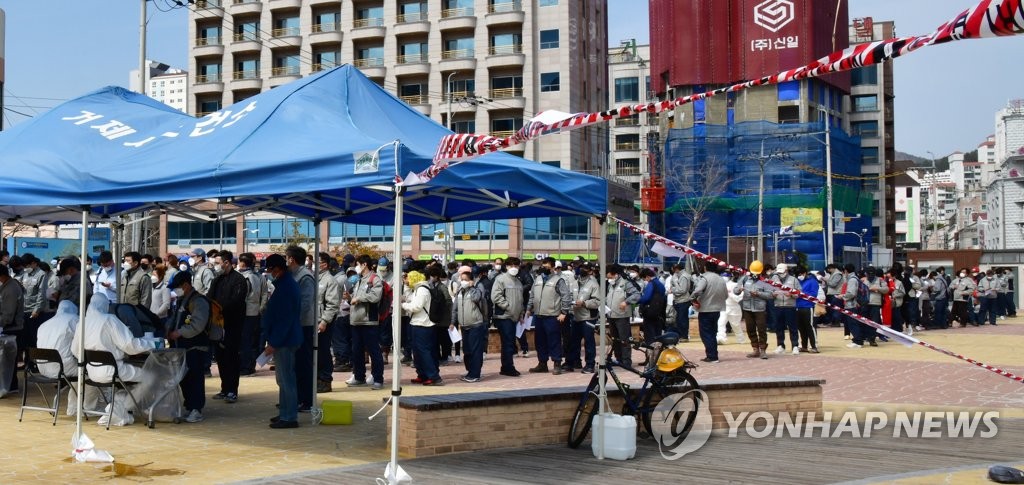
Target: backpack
655, 308
487, 285
863, 295
215, 327
440, 311
384, 305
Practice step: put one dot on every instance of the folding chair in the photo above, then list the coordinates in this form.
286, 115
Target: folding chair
100, 358
37, 357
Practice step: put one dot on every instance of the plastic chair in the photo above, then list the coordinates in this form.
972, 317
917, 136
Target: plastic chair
37, 357
100, 358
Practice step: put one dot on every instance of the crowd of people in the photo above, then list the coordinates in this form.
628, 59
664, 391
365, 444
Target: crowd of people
242, 311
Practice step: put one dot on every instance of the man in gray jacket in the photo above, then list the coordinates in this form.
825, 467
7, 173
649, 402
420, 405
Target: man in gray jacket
328, 297
756, 294
137, 288
551, 306
365, 325
785, 310
585, 306
34, 283
507, 295
834, 286
621, 296
12, 312
295, 257
709, 294
682, 284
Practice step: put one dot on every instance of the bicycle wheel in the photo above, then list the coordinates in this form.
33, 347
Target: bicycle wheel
584, 416
672, 384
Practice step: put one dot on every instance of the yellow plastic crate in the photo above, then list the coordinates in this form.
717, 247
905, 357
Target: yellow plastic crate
337, 412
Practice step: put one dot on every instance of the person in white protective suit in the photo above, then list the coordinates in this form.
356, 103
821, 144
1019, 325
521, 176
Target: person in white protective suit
58, 333
104, 331
733, 314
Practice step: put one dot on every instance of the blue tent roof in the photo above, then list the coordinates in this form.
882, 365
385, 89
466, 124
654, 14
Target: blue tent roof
306, 148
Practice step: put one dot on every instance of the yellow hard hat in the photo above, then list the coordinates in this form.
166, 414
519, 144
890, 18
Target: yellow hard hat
756, 267
670, 360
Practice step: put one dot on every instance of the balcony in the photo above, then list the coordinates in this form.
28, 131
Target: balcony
246, 42
457, 18
286, 37
504, 13
329, 33
242, 7
503, 134
628, 121
627, 145
457, 60
324, 66
285, 71
506, 55
208, 83
412, 65
368, 28
246, 80
285, 4
209, 8
372, 67
313, 3
413, 23
509, 98
208, 46
415, 99
208, 4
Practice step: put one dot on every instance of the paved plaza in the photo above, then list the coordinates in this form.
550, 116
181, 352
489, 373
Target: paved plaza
234, 443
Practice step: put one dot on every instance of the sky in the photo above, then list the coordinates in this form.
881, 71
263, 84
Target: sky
946, 96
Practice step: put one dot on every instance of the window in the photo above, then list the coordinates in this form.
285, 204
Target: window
865, 103
462, 87
340, 232
865, 129
789, 114
371, 16
627, 142
627, 89
506, 86
247, 69
209, 106
200, 233
549, 39
874, 234
458, 48
325, 60
789, 91
284, 26
868, 155
506, 44
864, 76
556, 228
549, 82
548, 3
781, 181
411, 12
412, 52
468, 230
467, 126
326, 22
286, 65
209, 36
871, 184
247, 31
552, 163
374, 53
506, 125
874, 207
209, 73
627, 166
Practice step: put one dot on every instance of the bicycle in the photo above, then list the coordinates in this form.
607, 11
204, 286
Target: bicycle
667, 372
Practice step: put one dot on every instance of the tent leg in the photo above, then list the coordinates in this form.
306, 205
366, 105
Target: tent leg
396, 325
602, 394
83, 279
314, 406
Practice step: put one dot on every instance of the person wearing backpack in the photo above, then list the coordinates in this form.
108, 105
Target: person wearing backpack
189, 332
470, 317
551, 306
229, 290
419, 299
363, 317
653, 300
507, 295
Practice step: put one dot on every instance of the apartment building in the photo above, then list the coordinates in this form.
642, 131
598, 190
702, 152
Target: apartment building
478, 66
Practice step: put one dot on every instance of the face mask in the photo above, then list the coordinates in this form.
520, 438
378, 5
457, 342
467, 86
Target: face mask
360, 268
183, 267
544, 271
465, 284
513, 271
178, 292
989, 277
611, 281
962, 275
801, 277
633, 274
126, 266
66, 278
217, 270
497, 267
88, 267
191, 261
154, 279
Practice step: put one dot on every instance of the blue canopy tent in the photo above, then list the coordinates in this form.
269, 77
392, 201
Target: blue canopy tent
326, 147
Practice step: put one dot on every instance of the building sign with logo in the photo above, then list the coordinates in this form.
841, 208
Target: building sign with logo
802, 219
772, 16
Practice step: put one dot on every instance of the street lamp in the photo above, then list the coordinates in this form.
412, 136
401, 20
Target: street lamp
247, 241
860, 241
932, 190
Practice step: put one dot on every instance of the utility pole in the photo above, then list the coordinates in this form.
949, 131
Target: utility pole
450, 227
137, 228
829, 214
762, 159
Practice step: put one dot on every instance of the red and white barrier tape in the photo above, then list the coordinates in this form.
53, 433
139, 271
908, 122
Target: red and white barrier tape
899, 336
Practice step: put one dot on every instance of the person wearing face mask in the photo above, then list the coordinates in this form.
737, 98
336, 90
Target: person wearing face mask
282, 331
366, 295
550, 304
137, 288
295, 256
202, 275
12, 315
37, 306
106, 278
255, 302
469, 315
785, 311
586, 301
507, 295
70, 281
172, 266
963, 288
710, 294
229, 289
620, 296
341, 340
653, 300
188, 331
160, 302
988, 292
569, 276
147, 263
804, 310
328, 297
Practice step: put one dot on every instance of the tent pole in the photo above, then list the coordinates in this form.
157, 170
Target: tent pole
396, 324
602, 394
315, 413
118, 258
83, 279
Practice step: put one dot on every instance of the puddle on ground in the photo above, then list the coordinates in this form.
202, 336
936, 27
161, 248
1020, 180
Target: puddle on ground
123, 470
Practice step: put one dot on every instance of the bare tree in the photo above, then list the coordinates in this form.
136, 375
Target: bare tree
698, 185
